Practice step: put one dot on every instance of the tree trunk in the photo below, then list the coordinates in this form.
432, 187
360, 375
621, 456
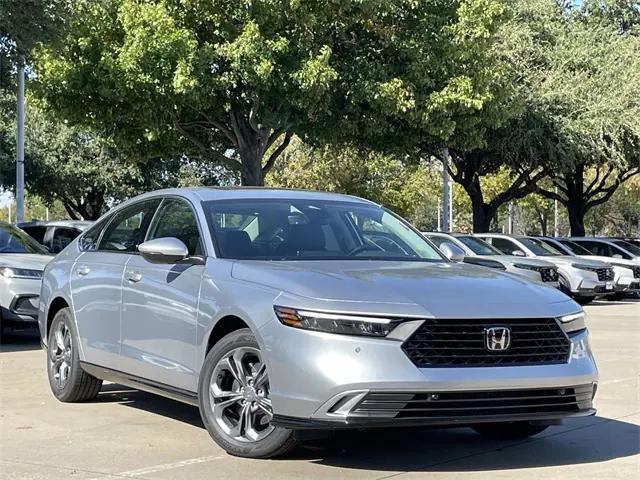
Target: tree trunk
251, 173
576, 213
575, 202
483, 214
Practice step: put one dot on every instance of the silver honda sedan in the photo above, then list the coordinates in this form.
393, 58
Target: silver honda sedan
280, 311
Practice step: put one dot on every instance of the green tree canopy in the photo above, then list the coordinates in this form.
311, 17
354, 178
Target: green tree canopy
83, 170
231, 82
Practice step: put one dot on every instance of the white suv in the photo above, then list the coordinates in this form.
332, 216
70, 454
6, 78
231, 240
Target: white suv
582, 279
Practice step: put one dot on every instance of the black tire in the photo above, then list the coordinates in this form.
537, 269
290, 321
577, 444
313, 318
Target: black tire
584, 300
564, 286
616, 297
276, 443
75, 385
508, 430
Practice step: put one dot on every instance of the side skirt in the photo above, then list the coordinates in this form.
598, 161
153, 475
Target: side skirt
140, 383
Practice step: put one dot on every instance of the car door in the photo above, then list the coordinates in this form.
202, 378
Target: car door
160, 303
96, 280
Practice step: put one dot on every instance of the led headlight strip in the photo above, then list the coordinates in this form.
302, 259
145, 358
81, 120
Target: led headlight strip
345, 324
7, 272
573, 322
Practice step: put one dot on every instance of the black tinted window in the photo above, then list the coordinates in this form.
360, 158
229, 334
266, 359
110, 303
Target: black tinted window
14, 240
597, 248
505, 246
89, 240
62, 236
176, 219
129, 227
287, 229
36, 232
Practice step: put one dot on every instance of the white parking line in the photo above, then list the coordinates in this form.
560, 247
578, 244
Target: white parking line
158, 468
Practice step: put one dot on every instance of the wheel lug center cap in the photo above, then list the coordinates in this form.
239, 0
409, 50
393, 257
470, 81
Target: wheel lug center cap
249, 393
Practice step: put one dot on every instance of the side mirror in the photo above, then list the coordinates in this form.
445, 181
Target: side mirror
616, 255
518, 253
163, 250
452, 251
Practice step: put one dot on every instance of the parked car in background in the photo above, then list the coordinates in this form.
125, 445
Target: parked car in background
609, 247
479, 252
582, 279
276, 311
22, 261
55, 235
632, 241
626, 272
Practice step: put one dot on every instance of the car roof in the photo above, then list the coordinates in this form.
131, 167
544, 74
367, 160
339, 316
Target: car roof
80, 224
203, 194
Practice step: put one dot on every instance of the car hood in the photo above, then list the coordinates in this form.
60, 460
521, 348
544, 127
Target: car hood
611, 260
567, 260
444, 290
30, 261
538, 262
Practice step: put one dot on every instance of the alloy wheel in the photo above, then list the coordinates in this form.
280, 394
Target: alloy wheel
60, 355
239, 395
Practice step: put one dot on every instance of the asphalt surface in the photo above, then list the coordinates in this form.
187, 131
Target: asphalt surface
131, 434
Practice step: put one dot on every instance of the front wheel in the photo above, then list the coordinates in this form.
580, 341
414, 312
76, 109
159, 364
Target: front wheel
234, 400
584, 300
508, 430
68, 382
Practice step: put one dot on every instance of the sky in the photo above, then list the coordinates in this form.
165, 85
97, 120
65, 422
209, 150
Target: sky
5, 198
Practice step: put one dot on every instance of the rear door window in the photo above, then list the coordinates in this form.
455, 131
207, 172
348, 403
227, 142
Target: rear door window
36, 232
62, 236
505, 246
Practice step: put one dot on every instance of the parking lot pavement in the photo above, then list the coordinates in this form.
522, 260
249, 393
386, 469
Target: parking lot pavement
131, 434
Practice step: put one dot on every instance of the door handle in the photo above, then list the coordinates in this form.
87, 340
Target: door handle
83, 270
133, 276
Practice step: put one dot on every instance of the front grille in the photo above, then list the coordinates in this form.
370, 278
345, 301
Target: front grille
636, 272
458, 405
605, 274
461, 343
548, 274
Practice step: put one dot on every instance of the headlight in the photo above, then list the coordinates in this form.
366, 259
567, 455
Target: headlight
580, 266
526, 267
345, 324
7, 272
573, 322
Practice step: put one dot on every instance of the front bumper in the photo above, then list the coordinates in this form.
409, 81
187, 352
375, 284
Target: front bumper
19, 300
585, 283
320, 380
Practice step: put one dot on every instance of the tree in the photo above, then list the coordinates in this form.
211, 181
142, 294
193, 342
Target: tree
593, 103
83, 170
231, 82
377, 177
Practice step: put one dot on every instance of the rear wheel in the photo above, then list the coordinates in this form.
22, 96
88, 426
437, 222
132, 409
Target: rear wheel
68, 382
234, 399
508, 430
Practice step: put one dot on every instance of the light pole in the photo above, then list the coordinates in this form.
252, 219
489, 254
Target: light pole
20, 146
447, 196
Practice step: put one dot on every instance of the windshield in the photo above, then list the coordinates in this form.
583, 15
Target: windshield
629, 247
14, 240
298, 229
539, 248
477, 246
575, 248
